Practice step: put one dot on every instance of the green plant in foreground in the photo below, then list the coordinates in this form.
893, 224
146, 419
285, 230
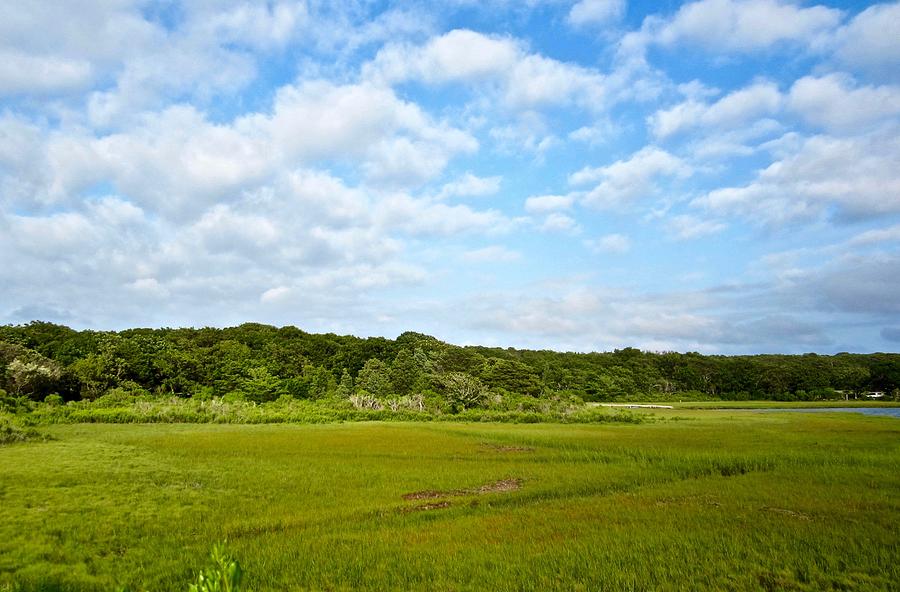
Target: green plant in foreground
224, 575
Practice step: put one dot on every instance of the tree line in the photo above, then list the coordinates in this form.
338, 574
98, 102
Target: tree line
261, 363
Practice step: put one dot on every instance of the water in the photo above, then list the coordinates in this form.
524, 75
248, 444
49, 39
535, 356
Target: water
880, 411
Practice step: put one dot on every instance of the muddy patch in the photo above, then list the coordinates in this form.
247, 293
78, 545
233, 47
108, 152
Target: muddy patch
784, 512
501, 486
428, 507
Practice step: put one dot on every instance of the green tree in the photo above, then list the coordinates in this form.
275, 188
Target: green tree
321, 382
511, 375
260, 385
462, 390
374, 378
345, 387
405, 373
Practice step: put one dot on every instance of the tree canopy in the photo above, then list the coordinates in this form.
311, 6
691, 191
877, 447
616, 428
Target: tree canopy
261, 363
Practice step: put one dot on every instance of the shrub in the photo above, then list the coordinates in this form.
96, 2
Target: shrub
223, 576
53, 400
12, 432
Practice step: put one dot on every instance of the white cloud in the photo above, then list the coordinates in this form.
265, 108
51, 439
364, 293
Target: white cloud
23, 73
738, 107
609, 243
178, 162
59, 46
876, 236
541, 204
275, 294
525, 81
557, 222
745, 25
593, 134
404, 163
835, 103
538, 81
740, 141
870, 43
470, 185
529, 134
597, 12
259, 26
857, 176
459, 55
403, 213
320, 119
149, 287
491, 254
686, 227
223, 229
627, 180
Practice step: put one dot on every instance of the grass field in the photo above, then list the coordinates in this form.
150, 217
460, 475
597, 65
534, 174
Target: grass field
782, 404
697, 499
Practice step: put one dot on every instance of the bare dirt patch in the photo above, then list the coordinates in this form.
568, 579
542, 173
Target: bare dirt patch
429, 507
501, 486
785, 512
428, 494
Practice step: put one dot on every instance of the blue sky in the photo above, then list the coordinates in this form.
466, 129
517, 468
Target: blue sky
719, 176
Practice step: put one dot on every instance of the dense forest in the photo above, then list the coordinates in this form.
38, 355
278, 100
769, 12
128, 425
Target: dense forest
260, 363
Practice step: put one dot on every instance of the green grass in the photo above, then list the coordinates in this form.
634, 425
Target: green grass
290, 410
702, 500
782, 404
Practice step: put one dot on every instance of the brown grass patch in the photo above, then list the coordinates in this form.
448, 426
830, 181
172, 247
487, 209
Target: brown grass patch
503, 448
428, 507
501, 486
785, 512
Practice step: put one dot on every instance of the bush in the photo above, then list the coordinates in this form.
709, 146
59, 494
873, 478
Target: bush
53, 400
224, 576
11, 431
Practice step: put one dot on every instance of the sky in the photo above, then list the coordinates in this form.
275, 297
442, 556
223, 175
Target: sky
720, 176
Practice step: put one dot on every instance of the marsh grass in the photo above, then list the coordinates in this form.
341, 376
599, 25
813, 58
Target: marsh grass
15, 429
290, 410
729, 500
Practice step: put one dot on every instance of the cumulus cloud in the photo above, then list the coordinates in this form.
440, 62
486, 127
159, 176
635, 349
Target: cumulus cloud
835, 103
557, 222
525, 80
57, 46
744, 25
855, 176
596, 12
23, 73
540, 204
758, 100
459, 55
609, 243
187, 163
685, 227
870, 42
320, 119
630, 179
404, 213
470, 185
491, 254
